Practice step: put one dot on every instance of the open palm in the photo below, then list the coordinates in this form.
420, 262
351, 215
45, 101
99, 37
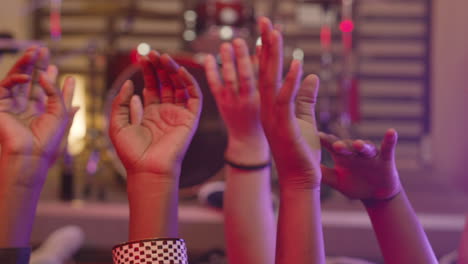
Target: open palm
32, 127
154, 138
362, 171
287, 113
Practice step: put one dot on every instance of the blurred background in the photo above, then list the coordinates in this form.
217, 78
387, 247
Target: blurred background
382, 64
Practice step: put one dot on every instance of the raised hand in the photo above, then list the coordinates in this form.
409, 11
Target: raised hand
153, 138
34, 122
247, 208
288, 118
34, 117
29, 96
362, 171
288, 114
238, 101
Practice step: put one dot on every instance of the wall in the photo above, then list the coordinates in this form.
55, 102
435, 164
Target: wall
14, 19
450, 88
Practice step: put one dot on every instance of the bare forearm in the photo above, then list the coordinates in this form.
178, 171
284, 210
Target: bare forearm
18, 200
248, 206
248, 211
17, 208
153, 207
400, 235
300, 238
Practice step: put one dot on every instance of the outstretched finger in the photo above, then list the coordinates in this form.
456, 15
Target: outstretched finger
195, 100
274, 71
365, 149
71, 117
26, 63
43, 59
14, 79
166, 86
327, 140
212, 75
55, 104
291, 84
180, 92
52, 73
37, 95
255, 59
68, 92
244, 67
120, 115
271, 66
343, 147
306, 98
151, 91
265, 28
388, 146
228, 69
136, 110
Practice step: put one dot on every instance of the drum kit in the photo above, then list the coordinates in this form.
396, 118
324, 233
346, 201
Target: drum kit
207, 24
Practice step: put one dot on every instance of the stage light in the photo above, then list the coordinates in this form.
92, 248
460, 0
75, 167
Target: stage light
190, 15
347, 26
76, 137
189, 35
143, 49
226, 33
298, 54
259, 42
229, 16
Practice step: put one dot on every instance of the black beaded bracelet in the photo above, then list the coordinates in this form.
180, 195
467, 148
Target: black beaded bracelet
248, 167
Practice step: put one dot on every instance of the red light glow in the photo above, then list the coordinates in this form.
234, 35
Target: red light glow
347, 26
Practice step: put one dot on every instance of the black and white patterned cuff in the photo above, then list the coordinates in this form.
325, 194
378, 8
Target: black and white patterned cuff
151, 251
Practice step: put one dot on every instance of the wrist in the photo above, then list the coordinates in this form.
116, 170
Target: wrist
23, 172
300, 179
293, 188
153, 200
378, 202
253, 150
145, 185
289, 193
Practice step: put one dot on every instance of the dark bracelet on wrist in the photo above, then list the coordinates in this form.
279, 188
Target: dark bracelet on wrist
374, 201
248, 167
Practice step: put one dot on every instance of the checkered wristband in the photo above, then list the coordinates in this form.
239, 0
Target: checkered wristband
151, 251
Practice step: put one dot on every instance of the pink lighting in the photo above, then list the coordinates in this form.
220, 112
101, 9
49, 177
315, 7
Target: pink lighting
347, 26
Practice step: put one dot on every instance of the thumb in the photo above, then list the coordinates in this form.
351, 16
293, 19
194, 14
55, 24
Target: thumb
307, 98
136, 110
71, 116
388, 145
120, 114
